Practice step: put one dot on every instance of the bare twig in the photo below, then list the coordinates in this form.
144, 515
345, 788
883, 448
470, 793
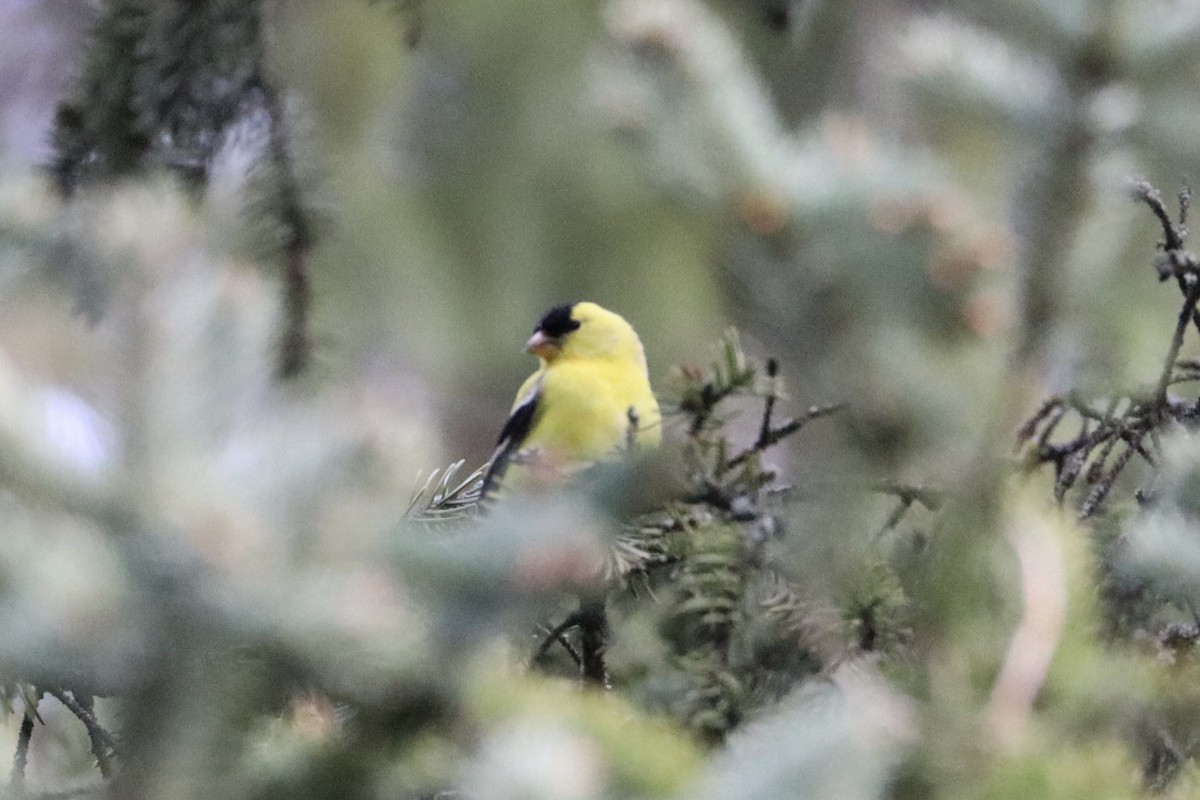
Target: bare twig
21, 756
1104, 485
593, 641
932, 499
1051, 409
295, 345
764, 431
1185, 316
907, 495
1173, 235
1091, 452
102, 743
894, 518
768, 436
592, 620
709, 398
557, 634
1175, 261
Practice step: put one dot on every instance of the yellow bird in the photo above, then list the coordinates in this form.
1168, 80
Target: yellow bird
589, 397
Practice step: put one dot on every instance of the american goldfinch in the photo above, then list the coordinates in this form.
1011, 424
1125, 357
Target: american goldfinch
589, 396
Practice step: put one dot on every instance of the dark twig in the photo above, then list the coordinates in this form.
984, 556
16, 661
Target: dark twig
1173, 234
295, 345
769, 436
704, 390
1175, 261
1104, 485
104, 746
907, 495
1185, 316
706, 403
894, 518
592, 620
557, 635
593, 633
1090, 453
1051, 409
21, 757
764, 430
932, 499
1054, 419
1095, 471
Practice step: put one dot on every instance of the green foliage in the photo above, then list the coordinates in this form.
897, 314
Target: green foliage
1100, 771
218, 583
160, 84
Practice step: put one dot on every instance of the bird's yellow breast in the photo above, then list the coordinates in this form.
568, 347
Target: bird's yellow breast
583, 413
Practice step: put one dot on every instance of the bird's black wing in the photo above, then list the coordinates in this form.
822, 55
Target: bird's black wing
512, 436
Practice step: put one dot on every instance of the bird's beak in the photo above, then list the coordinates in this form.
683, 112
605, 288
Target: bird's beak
541, 345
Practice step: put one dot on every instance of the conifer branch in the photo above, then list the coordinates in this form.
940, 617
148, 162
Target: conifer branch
701, 391
445, 498
1113, 432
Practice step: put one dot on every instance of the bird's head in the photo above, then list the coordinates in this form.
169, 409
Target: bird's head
584, 331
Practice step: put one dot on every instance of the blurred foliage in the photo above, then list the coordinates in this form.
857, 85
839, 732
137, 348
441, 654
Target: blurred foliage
276, 272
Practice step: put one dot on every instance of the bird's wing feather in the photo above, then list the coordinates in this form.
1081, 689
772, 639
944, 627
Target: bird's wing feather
516, 429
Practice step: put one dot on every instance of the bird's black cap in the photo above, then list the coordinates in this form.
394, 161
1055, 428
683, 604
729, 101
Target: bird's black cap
557, 322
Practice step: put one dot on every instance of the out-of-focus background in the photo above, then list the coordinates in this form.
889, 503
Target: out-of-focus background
514, 160
518, 157
920, 208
